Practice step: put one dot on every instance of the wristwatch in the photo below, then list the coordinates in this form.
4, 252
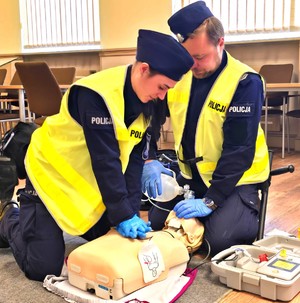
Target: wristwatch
209, 203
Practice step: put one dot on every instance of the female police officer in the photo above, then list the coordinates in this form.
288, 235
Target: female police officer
84, 164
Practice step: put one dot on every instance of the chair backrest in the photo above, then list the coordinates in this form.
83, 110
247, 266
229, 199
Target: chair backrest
3, 72
15, 80
64, 75
277, 73
42, 90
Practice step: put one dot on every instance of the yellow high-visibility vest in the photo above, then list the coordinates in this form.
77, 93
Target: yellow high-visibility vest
209, 134
58, 161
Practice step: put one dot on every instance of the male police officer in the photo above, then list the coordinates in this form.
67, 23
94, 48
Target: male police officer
84, 164
215, 113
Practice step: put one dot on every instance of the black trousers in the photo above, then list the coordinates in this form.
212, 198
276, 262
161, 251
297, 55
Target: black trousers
234, 223
35, 239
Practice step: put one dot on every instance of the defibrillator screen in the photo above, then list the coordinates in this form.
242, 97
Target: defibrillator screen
284, 265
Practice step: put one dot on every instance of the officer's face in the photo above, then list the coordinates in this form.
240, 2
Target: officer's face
207, 57
153, 86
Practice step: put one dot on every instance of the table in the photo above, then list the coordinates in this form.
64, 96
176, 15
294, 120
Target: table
6, 60
21, 97
281, 87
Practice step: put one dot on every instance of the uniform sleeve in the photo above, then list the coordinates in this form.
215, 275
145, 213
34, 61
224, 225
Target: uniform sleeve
117, 189
240, 132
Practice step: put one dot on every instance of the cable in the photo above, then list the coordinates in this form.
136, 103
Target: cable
166, 231
203, 261
201, 264
159, 207
225, 259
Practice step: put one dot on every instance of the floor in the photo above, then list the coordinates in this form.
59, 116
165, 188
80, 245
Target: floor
283, 213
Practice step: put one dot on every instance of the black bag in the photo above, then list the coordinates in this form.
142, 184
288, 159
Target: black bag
8, 178
168, 159
14, 145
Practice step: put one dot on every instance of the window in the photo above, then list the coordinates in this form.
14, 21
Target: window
254, 20
60, 25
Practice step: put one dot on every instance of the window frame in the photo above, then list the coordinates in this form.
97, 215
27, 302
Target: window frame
59, 25
271, 30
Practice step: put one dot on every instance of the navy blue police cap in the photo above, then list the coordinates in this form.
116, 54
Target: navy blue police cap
163, 54
190, 17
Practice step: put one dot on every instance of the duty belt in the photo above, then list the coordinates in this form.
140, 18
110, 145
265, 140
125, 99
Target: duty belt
191, 161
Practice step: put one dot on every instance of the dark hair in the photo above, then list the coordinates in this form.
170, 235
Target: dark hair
152, 72
213, 27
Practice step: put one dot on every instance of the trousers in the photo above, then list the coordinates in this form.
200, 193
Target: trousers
37, 242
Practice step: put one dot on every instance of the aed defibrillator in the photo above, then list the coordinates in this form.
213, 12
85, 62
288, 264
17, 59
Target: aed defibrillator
270, 267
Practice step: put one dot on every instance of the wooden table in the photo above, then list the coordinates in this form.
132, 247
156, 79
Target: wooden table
282, 87
7, 60
20, 98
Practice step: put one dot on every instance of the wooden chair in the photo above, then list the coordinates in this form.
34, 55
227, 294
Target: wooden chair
8, 99
64, 75
276, 102
3, 72
42, 89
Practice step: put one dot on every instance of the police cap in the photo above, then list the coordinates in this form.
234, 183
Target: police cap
163, 54
186, 20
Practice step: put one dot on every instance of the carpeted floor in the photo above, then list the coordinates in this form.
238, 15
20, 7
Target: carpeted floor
16, 288
206, 288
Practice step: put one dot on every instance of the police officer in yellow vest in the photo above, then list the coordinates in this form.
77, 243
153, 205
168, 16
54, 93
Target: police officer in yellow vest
84, 164
222, 153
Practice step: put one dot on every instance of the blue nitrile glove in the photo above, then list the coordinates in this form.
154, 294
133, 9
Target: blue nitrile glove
134, 228
151, 180
191, 208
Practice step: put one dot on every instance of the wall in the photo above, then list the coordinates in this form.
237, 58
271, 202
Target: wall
257, 54
10, 27
120, 21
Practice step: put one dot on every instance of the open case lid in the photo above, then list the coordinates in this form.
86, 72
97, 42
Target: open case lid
291, 244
